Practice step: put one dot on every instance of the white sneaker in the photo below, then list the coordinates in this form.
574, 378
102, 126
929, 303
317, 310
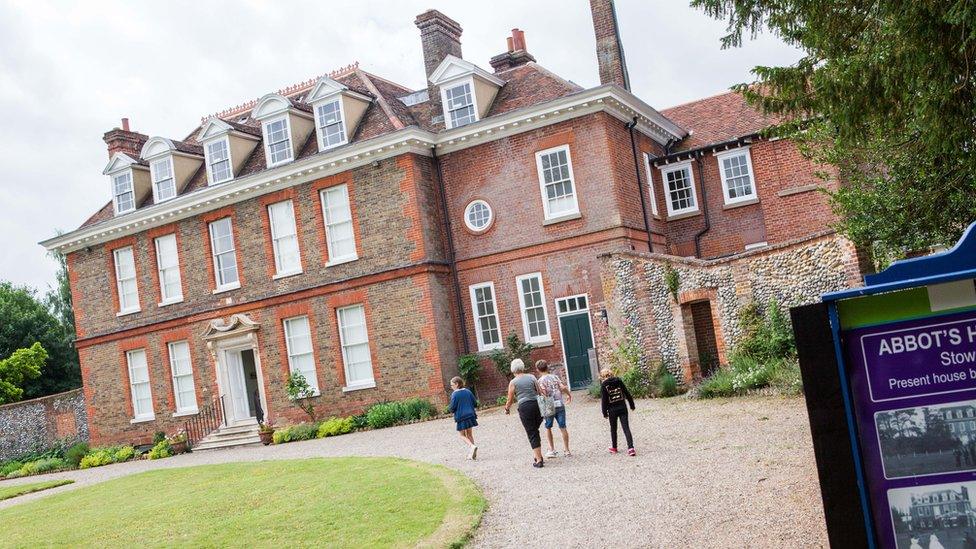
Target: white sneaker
550, 454
474, 452
567, 453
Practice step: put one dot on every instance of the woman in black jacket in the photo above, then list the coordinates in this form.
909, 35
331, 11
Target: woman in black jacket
615, 397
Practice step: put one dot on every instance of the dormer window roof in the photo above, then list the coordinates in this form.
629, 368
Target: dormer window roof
130, 182
226, 145
467, 90
284, 125
338, 111
171, 165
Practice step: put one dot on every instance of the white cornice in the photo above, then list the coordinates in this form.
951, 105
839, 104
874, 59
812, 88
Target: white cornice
454, 68
610, 99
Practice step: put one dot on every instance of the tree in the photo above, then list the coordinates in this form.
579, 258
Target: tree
20, 366
886, 91
514, 348
301, 392
24, 320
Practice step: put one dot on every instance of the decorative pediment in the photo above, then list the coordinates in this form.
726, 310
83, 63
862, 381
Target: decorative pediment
325, 88
157, 146
119, 162
271, 105
238, 324
453, 68
213, 127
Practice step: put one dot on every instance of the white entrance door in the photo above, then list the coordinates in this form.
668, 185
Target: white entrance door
236, 386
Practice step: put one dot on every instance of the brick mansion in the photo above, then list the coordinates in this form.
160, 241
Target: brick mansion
366, 235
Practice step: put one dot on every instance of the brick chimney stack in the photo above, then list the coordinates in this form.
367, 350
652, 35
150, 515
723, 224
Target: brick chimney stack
516, 54
609, 50
440, 36
124, 140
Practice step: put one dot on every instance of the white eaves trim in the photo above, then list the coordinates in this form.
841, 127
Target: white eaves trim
453, 68
120, 161
609, 98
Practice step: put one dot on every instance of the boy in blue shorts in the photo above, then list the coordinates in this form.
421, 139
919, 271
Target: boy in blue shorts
554, 387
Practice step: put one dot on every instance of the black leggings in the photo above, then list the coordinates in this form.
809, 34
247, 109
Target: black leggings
531, 420
624, 422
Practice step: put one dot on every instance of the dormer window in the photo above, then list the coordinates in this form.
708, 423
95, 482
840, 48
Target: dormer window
277, 136
331, 129
218, 162
124, 194
460, 105
164, 182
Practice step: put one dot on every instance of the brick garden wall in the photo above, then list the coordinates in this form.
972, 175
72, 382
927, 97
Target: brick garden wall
35, 424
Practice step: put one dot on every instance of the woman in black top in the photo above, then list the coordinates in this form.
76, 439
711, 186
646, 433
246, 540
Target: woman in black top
614, 397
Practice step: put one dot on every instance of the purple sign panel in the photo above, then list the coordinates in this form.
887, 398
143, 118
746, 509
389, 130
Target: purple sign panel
914, 389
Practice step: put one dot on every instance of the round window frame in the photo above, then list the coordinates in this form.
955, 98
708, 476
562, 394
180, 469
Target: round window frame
491, 217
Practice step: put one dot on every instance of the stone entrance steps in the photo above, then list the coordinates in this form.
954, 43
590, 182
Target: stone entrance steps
241, 434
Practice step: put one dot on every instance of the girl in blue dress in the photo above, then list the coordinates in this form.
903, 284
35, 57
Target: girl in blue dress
464, 406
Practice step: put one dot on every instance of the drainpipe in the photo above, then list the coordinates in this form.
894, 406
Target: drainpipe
640, 186
704, 205
450, 251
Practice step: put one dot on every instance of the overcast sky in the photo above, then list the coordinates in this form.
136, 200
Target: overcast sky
70, 70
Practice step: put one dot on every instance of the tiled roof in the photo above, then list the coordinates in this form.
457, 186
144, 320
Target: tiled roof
717, 119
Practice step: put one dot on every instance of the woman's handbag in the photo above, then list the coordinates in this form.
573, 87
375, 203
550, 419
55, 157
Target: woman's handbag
547, 405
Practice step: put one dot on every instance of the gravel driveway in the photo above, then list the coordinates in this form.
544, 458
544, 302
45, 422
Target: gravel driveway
721, 473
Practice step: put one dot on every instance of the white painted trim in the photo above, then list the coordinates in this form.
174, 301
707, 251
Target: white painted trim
669, 168
152, 178
491, 216
334, 260
342, 347
469, 81
172, 378
124, 308
542, 340
562, 340
719, 158
649, 174
132, 189
454, 68
756, 245
314, 382
341, 260
267, 144
206, 159
474, 316
226, 288
152, 405
164, 300
213, 257
187, 412
542, 183
270, 105
359, 386
318, 124
274, 240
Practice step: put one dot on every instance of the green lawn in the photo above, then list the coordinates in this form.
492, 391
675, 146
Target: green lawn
343, 502
7, 492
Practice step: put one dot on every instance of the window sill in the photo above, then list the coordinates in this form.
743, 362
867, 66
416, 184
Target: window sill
279, 276
683, 215
129, 312
739, 204
797, 190
560, 219
359, 386
227, 288
341, 260
169, 302
542, 343
142, 419
756, 246
192, 412
486, 350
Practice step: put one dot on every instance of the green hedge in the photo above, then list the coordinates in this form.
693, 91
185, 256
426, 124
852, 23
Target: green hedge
388, 414
335, 427
98, 457
378, 416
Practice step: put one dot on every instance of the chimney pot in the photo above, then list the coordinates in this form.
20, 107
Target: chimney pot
518, 40
516, 54
609, 50
125, 124
511, 44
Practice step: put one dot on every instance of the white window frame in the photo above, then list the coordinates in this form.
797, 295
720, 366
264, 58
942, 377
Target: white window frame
333, 259
153, 173
720, 158
472, 291
213, 253
670, 168
649, 173
342, 123
448, 123
467, 220
549, 216
362, 384
312, 378
161, 270
126, 308
267, 143
116, 194
276, 238
136, 416
184, 409
546, 339
230, 162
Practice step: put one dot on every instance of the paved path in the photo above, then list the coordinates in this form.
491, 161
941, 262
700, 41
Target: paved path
726, 473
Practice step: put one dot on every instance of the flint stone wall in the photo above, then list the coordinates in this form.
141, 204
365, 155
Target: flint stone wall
35, 424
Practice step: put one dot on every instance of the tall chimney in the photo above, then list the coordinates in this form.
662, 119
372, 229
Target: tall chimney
124, 140
440, 36
516, 54
609, 50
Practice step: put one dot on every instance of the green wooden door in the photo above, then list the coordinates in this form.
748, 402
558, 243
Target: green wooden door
577, 341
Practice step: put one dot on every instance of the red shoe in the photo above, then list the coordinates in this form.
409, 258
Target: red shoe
631, 452
613, 450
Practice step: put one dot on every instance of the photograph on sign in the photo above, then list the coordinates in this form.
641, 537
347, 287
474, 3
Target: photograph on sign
933, 517
927, 440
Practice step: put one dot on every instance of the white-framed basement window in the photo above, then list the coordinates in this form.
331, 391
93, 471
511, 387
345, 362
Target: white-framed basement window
163, 179
459, 108
125, 280
181, 367
485, 313
532, 302
277, 139
123, 193
284, 238
298, 343
679, 188
330, 124
340, 236
168, 266
354, 340
649, 174
738, 183
224, 255
218, 161
556, 182
142, 405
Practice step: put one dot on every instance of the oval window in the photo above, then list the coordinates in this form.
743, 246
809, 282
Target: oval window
478, 216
